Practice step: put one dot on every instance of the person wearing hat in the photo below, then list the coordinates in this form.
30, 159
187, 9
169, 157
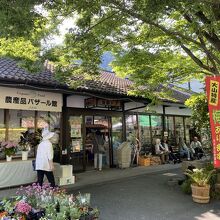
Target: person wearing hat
44, 159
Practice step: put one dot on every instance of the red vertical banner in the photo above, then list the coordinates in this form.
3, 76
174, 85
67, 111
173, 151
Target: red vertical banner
213, 95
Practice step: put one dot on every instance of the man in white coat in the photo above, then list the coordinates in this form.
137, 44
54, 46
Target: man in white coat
44, 159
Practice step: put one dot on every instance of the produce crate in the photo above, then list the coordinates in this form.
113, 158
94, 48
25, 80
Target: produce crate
155, 160
144, 161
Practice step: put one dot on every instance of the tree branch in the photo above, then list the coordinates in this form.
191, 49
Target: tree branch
212, 36
203, 45
174, 34
196, 59
209, 56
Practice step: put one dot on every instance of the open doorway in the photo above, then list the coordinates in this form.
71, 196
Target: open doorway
102, 124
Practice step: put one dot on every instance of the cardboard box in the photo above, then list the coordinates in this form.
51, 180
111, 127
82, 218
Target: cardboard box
66, 171
63, 170
62, 181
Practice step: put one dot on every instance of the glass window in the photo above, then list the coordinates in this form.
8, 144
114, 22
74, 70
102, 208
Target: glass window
48, 119
19, 121
2, 125
54, 120
2, 131
144, 130
54, 125
131, 127
116, 129
169, 129
156, 127
179, 128
116, 136
42, 119
188, 127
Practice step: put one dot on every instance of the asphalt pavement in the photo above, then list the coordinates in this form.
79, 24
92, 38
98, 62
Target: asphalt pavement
139, 193
155, 196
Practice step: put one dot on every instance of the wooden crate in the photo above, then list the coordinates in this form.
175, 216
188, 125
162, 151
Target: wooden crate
144, 161
155, 160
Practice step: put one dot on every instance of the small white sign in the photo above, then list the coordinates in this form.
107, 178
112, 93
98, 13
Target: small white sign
165, 134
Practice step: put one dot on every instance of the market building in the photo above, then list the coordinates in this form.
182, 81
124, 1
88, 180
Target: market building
34, 101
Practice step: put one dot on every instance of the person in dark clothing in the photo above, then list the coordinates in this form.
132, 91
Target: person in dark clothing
196, 147
98, 148
172, 156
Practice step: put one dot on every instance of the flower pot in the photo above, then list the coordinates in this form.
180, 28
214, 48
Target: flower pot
8, 158
24, 155
200, 194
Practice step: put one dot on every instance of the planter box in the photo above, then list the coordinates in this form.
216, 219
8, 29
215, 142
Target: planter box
144, 161
200, 194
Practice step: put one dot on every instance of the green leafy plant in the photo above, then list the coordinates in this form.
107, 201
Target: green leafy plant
200, 177
75, 212
186, 186
96, 212
29, 139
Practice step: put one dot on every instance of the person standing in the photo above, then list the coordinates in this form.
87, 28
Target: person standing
44, 159
98, 149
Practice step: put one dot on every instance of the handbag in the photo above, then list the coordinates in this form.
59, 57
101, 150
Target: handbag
34, 165
101, 147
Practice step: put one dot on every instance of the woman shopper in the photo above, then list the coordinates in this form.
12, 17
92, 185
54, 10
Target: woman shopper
98, 149
44, 159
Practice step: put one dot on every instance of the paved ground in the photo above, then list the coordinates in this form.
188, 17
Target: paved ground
93, 177
148, 197
140, 193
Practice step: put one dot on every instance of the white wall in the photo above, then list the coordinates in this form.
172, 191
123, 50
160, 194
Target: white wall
76, 101
173, 109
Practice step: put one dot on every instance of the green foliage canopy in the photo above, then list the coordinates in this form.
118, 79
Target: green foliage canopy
200, 116
165, 41
153, 41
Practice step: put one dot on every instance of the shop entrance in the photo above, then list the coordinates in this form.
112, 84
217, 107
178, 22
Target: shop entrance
100, 124
81, 147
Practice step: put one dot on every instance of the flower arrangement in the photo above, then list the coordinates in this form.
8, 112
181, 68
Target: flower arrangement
9, 147
23, 208
47, 203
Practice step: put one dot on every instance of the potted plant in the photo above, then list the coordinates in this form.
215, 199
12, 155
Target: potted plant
9, 149
24, 144
28, 139
200, 184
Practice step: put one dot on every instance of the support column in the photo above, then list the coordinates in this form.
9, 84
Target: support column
64, 132
123, 123
163, 119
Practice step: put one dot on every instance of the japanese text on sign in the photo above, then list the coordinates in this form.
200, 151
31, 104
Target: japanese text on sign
23, 99
214, 90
